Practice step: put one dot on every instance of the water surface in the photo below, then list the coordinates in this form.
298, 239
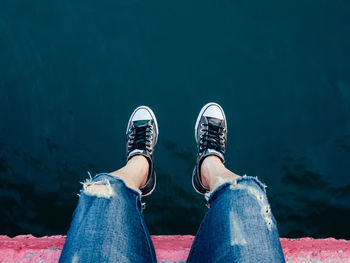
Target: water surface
73, 71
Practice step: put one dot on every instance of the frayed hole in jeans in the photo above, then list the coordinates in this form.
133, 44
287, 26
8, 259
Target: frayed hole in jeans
257, 193
101, 189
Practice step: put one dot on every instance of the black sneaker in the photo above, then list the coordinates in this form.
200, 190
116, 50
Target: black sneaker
211, 135
141, 137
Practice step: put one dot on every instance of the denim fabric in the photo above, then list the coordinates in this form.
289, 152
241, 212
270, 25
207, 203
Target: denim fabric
239, 226
108, 227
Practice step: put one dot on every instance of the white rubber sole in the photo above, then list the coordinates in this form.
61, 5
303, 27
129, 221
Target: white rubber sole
201, 113
153, 117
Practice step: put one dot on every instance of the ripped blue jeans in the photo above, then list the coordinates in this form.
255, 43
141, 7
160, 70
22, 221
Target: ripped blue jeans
108, 226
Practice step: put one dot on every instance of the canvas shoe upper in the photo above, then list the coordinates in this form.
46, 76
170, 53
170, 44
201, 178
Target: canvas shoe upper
141, 137
211, 137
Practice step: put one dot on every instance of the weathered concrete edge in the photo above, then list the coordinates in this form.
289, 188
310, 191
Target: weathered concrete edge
26, 248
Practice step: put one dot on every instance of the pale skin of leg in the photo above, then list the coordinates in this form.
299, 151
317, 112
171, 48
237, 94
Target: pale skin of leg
213, 172
135, 172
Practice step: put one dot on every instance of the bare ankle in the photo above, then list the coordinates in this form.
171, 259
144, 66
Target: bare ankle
140, 165
214, 173
209, 165
139, 161
134, 173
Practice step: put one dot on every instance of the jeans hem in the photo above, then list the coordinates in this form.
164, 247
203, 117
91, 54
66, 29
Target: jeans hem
210, 195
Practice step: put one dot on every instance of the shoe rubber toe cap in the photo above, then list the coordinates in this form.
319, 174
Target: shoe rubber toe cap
214, 111
142, 114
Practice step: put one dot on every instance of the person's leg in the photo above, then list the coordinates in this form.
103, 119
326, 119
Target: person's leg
239, 226
108, 224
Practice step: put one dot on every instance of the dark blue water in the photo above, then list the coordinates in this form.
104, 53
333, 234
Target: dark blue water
71, 73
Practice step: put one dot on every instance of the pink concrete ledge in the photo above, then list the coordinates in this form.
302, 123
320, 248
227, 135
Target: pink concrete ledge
26, 248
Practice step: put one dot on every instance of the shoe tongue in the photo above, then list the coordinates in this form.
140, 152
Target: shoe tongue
215, 121
142, 123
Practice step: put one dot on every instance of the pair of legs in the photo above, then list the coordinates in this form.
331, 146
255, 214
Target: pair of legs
108, 224
134, 173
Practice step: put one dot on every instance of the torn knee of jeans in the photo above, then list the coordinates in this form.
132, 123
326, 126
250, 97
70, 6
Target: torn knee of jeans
237, 236
260, 196
266, 214
101, 189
